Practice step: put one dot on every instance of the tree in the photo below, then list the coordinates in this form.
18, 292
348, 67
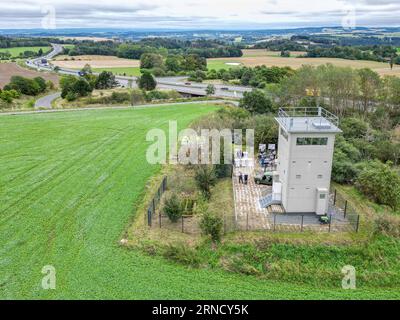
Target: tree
81, 87
151, 60
370, 83
106, 80
210, 90
256, 101
147, 82
41, 83
354, 128
211, 225
380, 183
173, 208
87, 69
205, 179
173, 63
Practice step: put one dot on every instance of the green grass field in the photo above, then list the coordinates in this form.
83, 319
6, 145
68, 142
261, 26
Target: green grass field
133, 72
17, 50
220, 64
69, 183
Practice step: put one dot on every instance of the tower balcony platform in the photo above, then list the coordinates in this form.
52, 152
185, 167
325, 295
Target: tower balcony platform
308, 120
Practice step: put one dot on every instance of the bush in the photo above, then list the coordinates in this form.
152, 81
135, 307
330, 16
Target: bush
173, 208
380, 183
205, 179
70, 96
387, 225
211, 225
182, 254
30, 87
120, 97
147, 82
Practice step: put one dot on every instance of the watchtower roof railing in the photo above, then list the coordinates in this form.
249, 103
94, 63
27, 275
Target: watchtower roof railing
308, 118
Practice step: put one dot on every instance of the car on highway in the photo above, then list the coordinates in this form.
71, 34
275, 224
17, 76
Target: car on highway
225, 89
188, 83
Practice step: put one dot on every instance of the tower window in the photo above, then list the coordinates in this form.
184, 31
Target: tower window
320, 176
312, 141
298, 176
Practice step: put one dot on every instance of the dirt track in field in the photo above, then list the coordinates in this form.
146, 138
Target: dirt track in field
95, 62
7, 70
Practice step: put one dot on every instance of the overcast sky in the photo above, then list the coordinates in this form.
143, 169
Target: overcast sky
197, 14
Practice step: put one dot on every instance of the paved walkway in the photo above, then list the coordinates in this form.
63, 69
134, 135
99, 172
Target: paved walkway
249, 214
46, 101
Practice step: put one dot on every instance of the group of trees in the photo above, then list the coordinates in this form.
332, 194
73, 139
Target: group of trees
172, 64
75, 87
374, 53
258, 77
27, 86
12, 42
343, 90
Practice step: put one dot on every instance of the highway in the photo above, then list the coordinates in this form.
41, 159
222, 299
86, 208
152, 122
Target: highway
167, 83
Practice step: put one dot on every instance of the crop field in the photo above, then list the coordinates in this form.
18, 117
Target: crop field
69, 184
17, 50
133, 72
258, 57
96, 62
7, 70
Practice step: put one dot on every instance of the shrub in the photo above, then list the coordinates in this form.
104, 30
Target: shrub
70, 96
173, 208
147, 81
211, 225
380, 183
183, 254
387, 225
205, 179
120, 97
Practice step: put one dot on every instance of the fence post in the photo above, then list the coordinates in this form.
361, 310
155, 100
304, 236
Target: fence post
302, 221
159, 216
345, 208
183, 230
224, 223
334, 197
149, 217
358, 223
330, 223
274, 221
247, 221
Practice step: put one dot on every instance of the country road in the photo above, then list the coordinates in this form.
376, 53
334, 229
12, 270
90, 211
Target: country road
46, 101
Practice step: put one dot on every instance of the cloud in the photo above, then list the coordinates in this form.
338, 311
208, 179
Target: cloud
196, 13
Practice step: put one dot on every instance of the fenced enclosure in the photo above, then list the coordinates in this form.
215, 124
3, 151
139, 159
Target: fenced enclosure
342, 217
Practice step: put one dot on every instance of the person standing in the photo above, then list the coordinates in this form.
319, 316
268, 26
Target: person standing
240, 178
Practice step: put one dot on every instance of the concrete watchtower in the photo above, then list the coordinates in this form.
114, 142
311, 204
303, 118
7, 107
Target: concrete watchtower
305, 155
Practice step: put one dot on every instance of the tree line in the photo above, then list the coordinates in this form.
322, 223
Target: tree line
134, 50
